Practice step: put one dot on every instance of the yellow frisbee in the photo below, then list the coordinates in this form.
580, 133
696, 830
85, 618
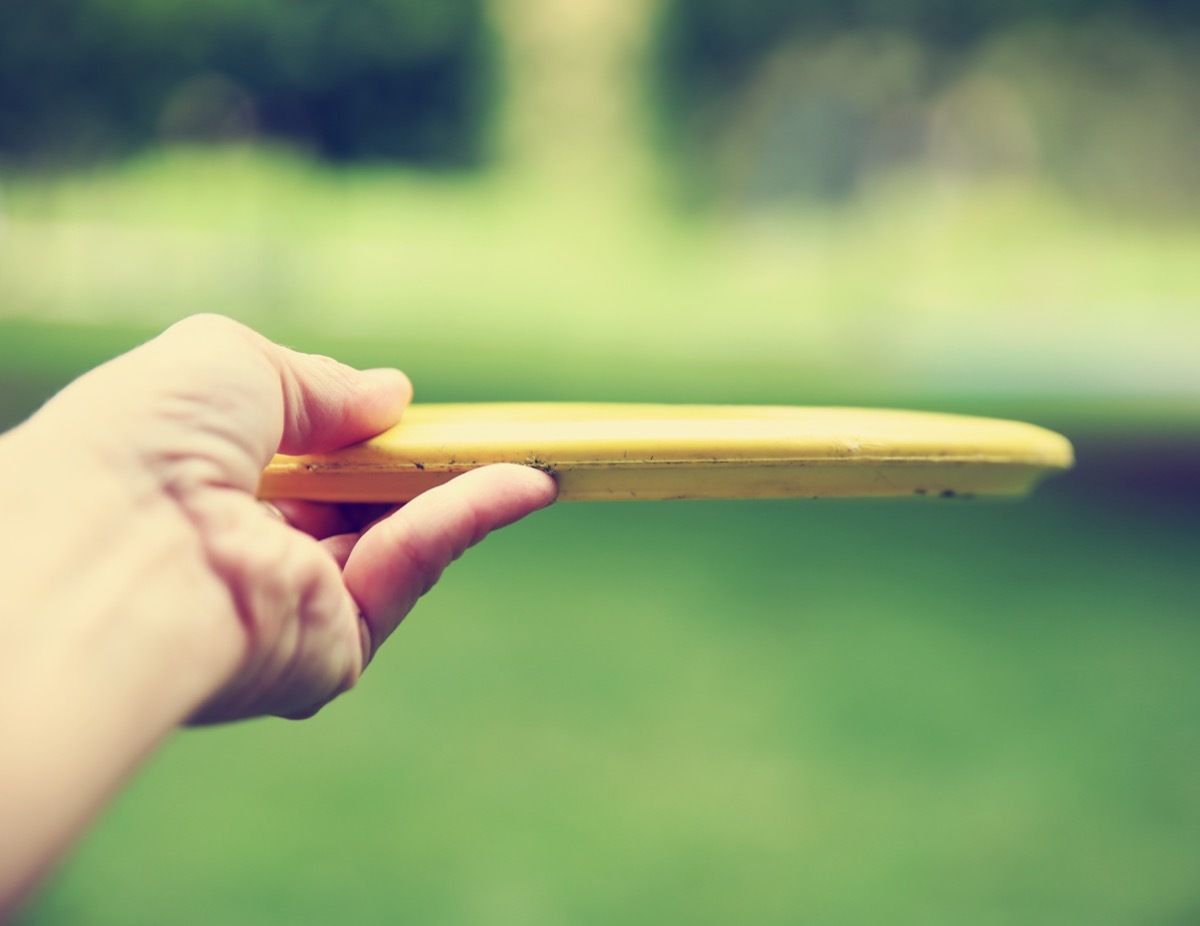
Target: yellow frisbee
622, 452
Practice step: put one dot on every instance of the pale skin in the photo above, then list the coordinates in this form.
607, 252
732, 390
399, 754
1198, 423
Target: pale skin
145, 586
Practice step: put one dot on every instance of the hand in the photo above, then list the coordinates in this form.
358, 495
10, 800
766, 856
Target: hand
179, 431
144, 585
192, 418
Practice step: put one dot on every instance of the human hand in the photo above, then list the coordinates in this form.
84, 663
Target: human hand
144, 585
294, 610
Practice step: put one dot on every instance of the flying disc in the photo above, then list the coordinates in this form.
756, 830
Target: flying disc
624, 452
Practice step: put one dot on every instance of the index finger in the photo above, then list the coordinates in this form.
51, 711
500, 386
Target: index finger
400, 558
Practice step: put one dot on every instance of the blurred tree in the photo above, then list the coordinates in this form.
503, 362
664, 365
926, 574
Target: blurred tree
779, 101
389, 79
707, 43
575, 91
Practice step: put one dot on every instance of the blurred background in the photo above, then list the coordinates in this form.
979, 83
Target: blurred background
820, 712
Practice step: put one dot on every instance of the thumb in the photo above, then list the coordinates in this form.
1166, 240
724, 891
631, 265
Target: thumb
209, 376
327, 404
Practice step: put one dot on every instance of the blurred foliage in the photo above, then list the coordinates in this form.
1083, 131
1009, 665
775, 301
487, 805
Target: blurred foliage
376, 79
723, 37
777, 103
763, 106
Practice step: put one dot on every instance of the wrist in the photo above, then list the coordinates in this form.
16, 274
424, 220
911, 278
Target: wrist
103, 557
107, 642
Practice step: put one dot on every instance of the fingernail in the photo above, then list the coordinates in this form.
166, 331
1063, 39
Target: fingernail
365, 638
388, 378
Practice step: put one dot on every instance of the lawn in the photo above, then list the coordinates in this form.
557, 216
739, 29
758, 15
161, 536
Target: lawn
918, 711
827, 712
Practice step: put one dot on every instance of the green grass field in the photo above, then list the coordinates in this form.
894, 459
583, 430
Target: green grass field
832, 712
